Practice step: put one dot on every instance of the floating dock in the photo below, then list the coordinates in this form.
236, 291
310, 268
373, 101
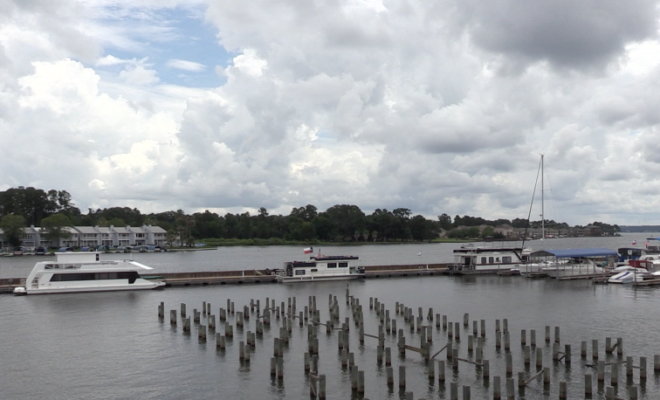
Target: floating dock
260, 276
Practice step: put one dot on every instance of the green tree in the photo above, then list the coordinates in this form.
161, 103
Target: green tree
445, 222
347, 221
118, 222
12, 227
421, 228
488, 232
56, 227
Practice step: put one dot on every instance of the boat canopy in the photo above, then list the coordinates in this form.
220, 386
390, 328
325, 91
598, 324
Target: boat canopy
569, 253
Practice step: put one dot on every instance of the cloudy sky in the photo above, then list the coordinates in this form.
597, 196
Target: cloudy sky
437, 106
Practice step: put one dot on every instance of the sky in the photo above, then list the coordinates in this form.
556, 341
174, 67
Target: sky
441, 107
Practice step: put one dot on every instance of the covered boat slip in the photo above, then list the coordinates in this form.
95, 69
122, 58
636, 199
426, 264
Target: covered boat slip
575, 263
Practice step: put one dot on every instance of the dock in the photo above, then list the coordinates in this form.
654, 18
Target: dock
254, 276
648, 282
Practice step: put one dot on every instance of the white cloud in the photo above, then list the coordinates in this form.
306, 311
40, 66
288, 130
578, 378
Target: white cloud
438, 107
186, 65
139, 75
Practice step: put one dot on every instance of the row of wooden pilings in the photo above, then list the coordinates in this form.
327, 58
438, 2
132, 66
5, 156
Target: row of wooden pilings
311, 317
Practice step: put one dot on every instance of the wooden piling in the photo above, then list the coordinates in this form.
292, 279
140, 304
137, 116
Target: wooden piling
497, 388
453, 391
642, 368
594, 349
563, 392
510, 389
322, 386
588, 386
441, 372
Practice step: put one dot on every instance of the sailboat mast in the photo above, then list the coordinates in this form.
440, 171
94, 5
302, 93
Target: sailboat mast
542, 205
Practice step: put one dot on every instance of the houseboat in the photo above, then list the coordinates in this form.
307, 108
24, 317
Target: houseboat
474, 259
321, 268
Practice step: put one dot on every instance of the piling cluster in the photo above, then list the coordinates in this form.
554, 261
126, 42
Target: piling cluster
432, 334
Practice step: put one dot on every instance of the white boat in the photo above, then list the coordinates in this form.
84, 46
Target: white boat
321, 268
575, 267
629, 275
85, 272
474, 258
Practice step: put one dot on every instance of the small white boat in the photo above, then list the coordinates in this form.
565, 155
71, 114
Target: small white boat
321, 268
630, 275
85, 272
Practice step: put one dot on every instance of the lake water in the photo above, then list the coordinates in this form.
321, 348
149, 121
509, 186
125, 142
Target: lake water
113, 346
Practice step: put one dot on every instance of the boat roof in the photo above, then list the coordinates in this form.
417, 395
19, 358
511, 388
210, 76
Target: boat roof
328, 258
467, 249
589, 252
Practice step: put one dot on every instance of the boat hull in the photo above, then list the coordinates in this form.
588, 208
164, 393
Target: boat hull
628, 277
101, 288
294, 279
563, 271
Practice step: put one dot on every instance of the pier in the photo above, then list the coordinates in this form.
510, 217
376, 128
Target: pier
254, 276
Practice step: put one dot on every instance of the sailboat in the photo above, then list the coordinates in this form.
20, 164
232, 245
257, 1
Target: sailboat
530, 267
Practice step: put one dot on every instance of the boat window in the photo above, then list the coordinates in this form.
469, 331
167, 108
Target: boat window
332, 265
491, 260
49, 266
483, 260
343, 264
506, 259
300, 272
130, 275
315, 270
497, 260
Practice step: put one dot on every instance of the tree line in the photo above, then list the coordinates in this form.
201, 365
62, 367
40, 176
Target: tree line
53, 210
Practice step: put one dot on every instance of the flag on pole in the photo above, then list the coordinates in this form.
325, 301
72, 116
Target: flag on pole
634, 242
308, 250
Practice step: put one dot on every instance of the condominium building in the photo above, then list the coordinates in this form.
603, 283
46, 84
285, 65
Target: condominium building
94, 236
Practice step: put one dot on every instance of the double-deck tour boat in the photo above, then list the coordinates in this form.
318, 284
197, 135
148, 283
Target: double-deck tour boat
321, 268
85, 272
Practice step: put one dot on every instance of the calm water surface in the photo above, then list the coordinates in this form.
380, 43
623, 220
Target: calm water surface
113, 346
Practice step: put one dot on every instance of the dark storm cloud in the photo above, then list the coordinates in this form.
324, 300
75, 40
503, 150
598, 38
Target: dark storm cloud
566, 33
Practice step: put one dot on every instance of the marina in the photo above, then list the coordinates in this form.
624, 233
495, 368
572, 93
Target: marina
212, 341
